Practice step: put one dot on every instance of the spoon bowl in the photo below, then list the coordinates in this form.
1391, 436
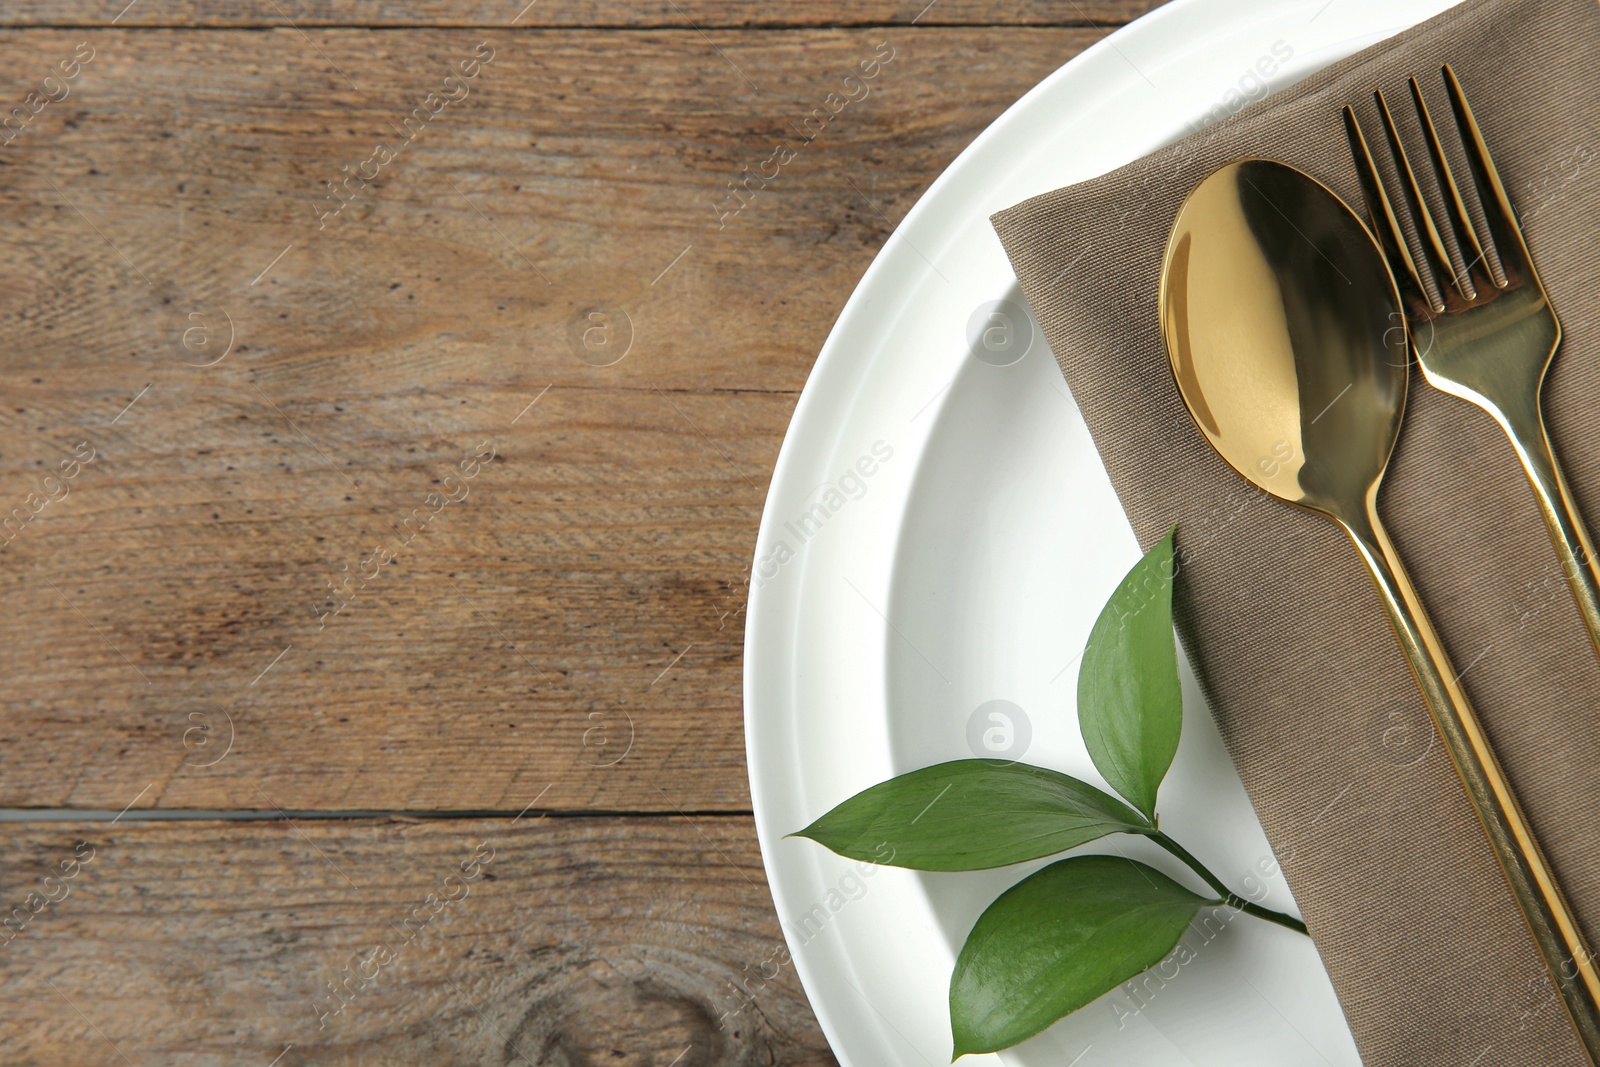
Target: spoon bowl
1286, 336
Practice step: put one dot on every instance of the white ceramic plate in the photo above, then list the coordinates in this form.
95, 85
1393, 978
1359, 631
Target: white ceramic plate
940, 535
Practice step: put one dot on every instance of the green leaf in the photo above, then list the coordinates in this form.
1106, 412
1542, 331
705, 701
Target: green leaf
969, 815
1130, 707
1057, 940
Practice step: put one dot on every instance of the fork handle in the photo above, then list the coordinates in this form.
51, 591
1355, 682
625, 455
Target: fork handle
1524, 424
1550, 920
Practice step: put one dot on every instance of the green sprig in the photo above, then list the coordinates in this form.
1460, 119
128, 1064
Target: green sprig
1078, 928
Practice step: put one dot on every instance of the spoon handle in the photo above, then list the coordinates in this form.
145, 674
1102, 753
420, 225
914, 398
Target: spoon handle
1550, 920
1524, 424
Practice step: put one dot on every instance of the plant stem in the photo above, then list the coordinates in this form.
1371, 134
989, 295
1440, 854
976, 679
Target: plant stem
1229, 898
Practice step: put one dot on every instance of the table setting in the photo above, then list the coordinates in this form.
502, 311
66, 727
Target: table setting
1329, 355
878, 534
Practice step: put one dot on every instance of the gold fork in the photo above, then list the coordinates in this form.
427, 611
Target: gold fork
1486, 340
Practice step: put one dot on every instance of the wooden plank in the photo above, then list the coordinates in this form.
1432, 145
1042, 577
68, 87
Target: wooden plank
585, 591
555, 941
707, 14
581, 170
593, 574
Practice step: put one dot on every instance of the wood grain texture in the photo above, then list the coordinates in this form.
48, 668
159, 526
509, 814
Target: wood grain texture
706, 14
594, 573
277, 396
552, 943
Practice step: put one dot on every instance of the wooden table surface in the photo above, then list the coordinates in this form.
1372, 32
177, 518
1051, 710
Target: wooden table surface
374, 556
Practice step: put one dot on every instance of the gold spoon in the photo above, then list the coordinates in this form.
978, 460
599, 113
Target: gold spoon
1287, 340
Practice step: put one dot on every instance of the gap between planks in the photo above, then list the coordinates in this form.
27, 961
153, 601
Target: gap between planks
653, 27
37, 815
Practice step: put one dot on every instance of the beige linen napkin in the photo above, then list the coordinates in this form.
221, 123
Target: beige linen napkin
1426, 948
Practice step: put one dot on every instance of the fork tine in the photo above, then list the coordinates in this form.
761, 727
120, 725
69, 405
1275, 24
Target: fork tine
1384, 222
1503, 224
1419, 206
1447, 178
